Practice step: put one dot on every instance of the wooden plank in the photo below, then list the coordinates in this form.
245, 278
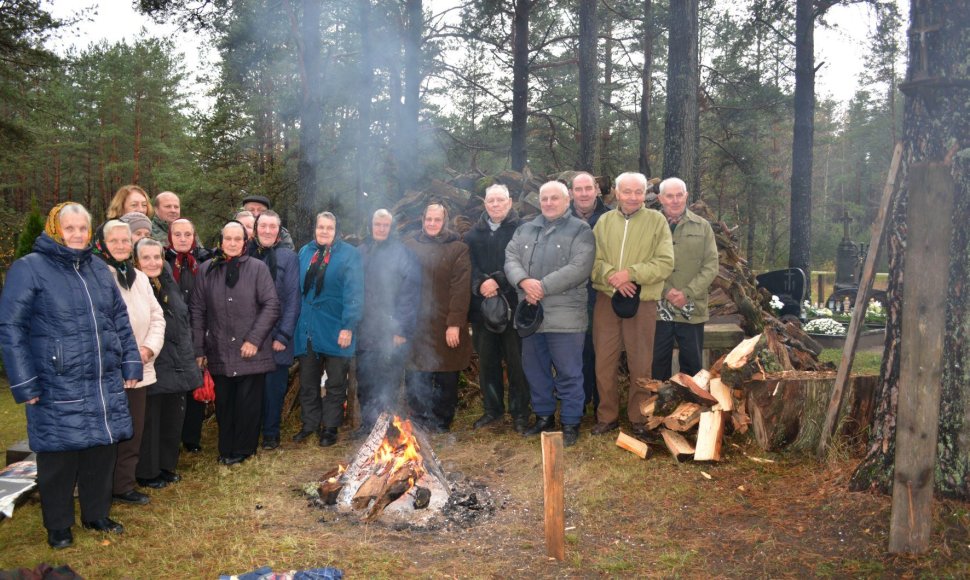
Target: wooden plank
552, 487
632, 444
926, 273
710, 431
857, 325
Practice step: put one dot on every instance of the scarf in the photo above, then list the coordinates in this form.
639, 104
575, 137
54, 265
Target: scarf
182, 260
124, 269
231, 264
265, 254
317, 269
53, 224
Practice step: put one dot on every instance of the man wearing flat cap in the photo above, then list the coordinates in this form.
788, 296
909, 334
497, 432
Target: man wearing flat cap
257, 204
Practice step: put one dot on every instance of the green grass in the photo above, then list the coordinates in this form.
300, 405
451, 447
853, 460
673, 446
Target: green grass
864, 363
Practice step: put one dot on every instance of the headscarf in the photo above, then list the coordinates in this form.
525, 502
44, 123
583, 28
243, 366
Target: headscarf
266, 254
53, 224
124, 269
318, 268
182, 260
231, 263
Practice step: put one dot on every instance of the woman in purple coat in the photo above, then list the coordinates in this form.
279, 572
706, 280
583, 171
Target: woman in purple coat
234, 308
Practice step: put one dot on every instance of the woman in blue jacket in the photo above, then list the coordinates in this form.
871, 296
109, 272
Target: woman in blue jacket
332, 285
69, 353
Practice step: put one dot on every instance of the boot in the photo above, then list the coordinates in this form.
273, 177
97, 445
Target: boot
328, 437
547, 423
570, 435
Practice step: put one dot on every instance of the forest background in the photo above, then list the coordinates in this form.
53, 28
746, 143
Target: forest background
348, 105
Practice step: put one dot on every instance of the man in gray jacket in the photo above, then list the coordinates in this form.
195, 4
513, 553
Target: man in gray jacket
549, 260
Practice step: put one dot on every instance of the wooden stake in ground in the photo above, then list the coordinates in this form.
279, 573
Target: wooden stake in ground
632, 444
921, 360
861, 302
552, 486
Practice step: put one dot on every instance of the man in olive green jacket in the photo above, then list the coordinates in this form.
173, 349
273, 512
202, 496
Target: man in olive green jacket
633, 250
683, 310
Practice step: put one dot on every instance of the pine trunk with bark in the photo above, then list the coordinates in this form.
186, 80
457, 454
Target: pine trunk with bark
681, 127
643, 153
408, 168
520, 83
800, 234
365, 94
310, 115
936, 129
588, 90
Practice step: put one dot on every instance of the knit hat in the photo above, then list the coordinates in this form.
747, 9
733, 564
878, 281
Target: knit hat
137, 221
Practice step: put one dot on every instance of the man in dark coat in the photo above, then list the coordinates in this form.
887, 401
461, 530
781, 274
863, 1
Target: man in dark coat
587, 205
392, 291
486, 245
441, 346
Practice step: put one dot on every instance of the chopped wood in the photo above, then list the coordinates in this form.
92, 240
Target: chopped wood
368, 490
715, 369
650, 384
677, 445
669, 397
553, 493
422, 497
703, 379
632, 444
654, 422
739, 357
648, 405
394, 486
684, 417
698, 394
330, 486
739, 418
723, 394
710, 432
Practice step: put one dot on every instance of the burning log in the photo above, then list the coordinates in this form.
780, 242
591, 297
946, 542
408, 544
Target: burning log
394, 486
330, 487
422, 497
632, 444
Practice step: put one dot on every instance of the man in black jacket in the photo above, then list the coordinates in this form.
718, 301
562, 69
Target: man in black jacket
486, 243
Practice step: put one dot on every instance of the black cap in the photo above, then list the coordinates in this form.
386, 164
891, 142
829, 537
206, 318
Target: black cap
258, 199
528, 318
626, 307
497, 313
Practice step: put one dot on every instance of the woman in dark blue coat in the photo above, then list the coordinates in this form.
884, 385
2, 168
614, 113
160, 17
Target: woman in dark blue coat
285, 270
69, 353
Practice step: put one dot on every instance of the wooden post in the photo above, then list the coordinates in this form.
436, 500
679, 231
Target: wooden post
552, 486
861, 302
921, 361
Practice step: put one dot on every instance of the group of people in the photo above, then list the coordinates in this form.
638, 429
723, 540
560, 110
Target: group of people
106, 333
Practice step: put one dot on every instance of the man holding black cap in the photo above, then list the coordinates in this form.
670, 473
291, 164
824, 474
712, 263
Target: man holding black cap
496, 340
257, 204
634, 255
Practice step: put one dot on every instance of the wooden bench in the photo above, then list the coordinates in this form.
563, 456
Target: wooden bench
718, 337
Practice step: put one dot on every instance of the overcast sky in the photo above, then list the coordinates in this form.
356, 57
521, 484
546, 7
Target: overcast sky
840, 48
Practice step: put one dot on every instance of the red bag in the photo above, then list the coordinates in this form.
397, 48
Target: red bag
207, 392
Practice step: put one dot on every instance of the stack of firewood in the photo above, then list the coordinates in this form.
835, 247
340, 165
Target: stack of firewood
691, 413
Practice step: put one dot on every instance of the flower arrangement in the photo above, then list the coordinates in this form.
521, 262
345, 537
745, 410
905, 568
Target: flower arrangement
825, 326
875, 312
813, 312
776, 304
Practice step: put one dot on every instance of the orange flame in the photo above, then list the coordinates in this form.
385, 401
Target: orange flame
396, 454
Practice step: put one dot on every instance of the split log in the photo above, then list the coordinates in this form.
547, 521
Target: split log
677, 445
648, 406
369, 490
723, 395
703, 379
697, 394
684, 417
632, 444
395, 485
650, 384
669, 397
330, 486
710, 431
745, 361
789, 410
740, 421
654, 422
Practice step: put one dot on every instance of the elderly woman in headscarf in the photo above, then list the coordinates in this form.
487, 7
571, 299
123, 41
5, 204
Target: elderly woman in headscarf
234, 308
326, 332
130, 198
185, 256
69, 354
112, 243
284, 267
175, 370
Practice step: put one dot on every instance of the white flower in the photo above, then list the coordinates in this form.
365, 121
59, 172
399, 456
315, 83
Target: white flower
776, 303
825, 326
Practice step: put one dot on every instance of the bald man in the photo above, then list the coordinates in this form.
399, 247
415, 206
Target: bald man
168, 208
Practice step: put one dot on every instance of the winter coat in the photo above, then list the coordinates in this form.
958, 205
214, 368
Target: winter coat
223, 318
695, 265
392, 291
598, 210
147, 321
66, 340
640, 243
288, 291
559, 254
160, 230
175, 366
187, 282
337, 307
446, 279
487, 251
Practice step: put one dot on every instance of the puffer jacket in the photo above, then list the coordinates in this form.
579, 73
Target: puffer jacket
223, 318
558, 253
66, 340
639, 243
445, 283
175, 366
288, 291
391, 294
487, 251
336, 308
147, 321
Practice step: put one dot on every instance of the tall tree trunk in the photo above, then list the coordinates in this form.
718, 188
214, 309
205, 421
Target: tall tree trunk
800, 234
604, 165
643, 153
681, 157
364, 163
520, 83
408, 168
936, 128
310, 119
588, 106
